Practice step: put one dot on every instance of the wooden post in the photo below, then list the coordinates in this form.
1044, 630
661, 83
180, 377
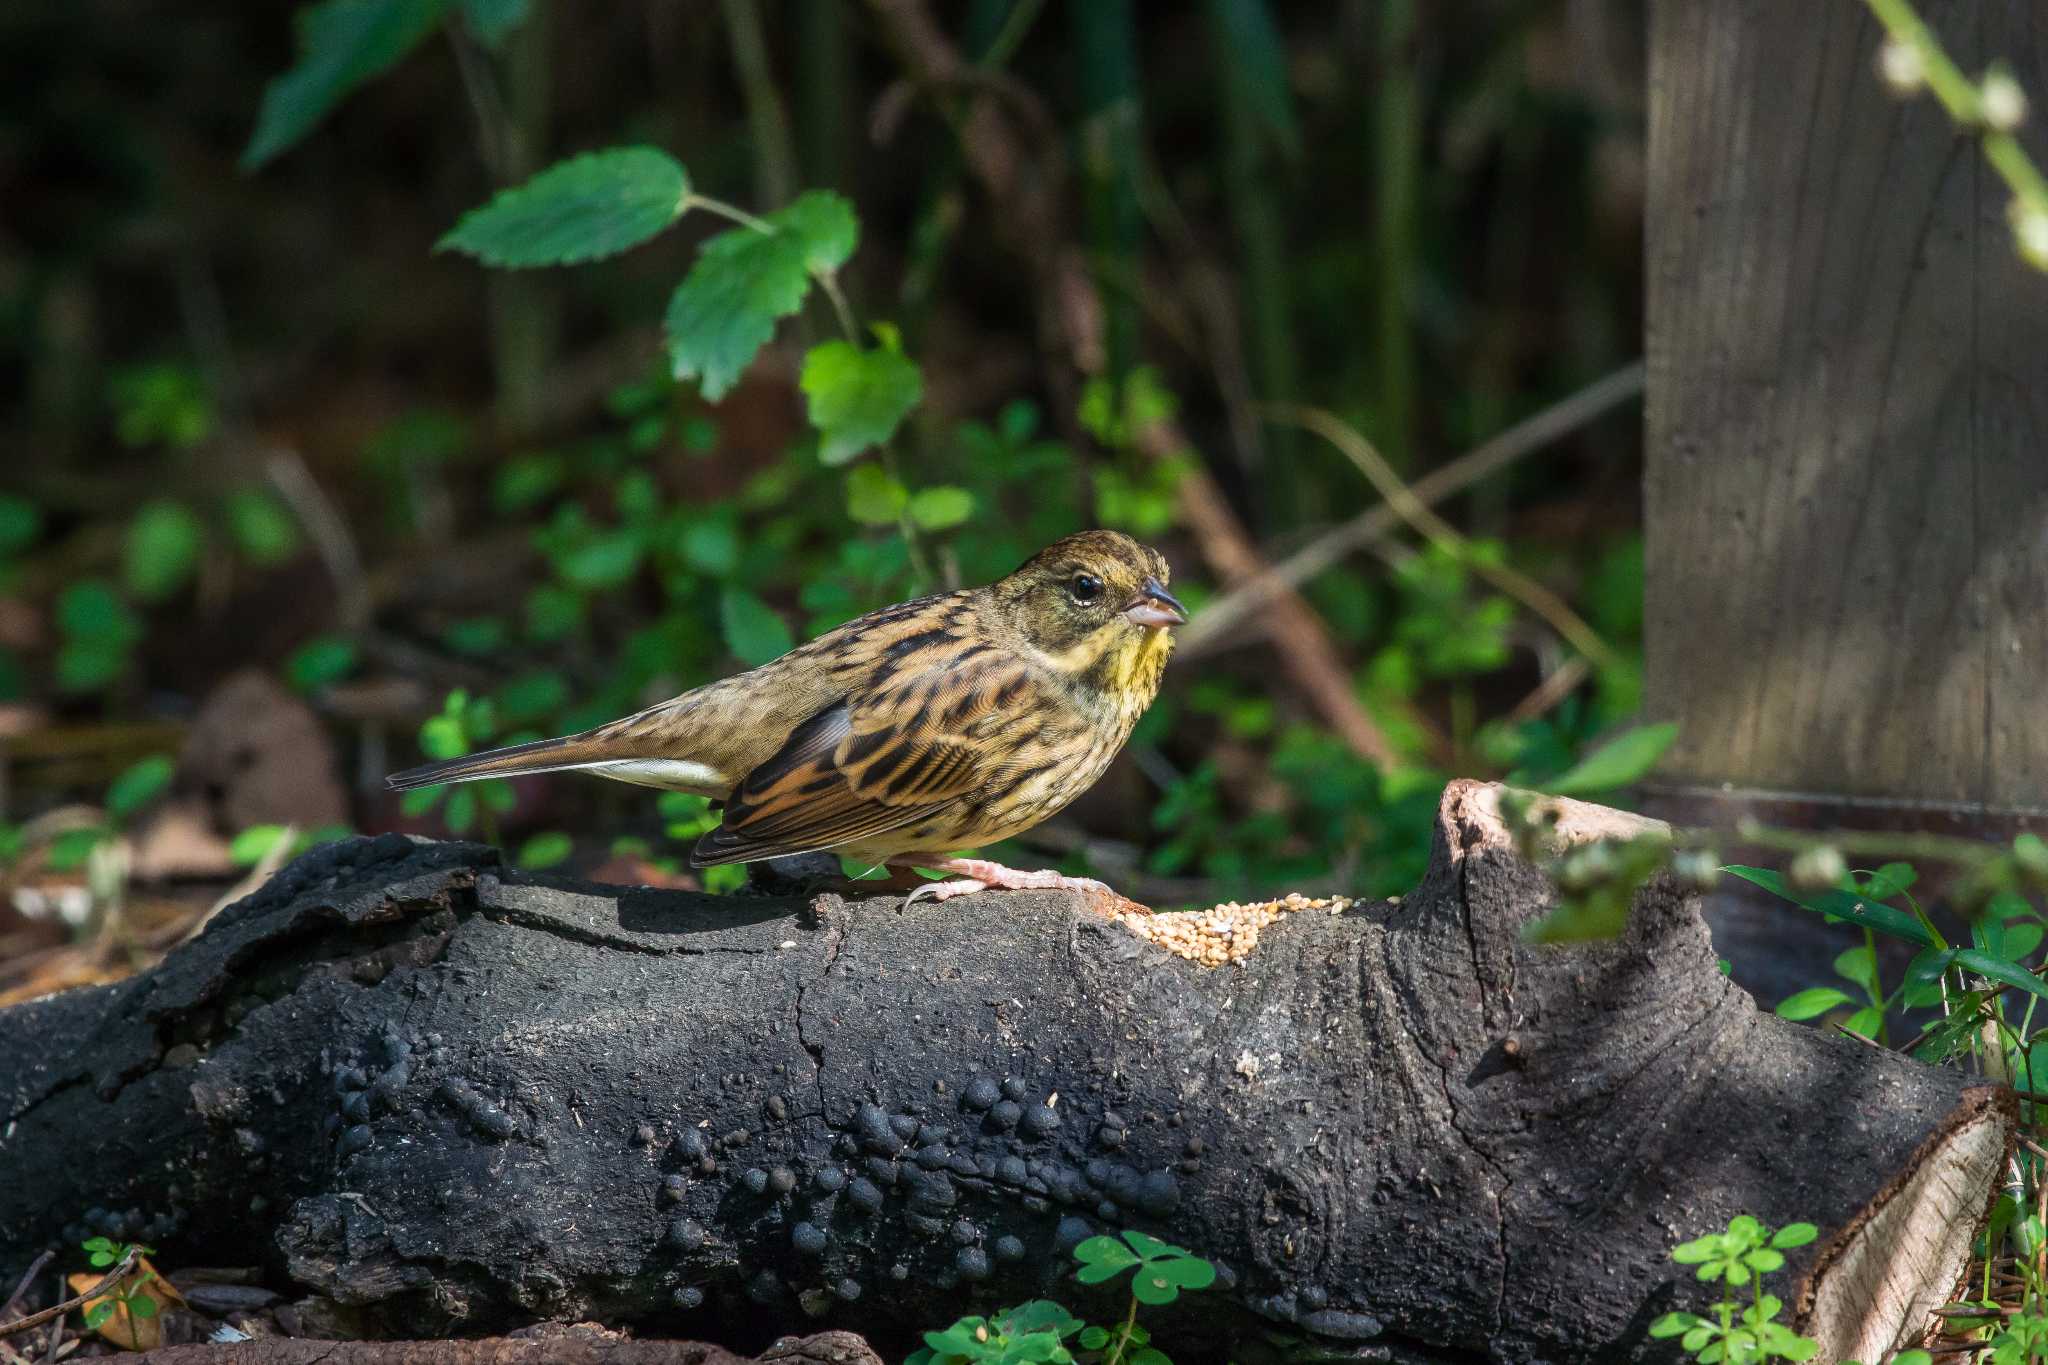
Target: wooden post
1847, 491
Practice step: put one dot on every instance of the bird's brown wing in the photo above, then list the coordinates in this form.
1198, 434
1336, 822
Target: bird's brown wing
860, 768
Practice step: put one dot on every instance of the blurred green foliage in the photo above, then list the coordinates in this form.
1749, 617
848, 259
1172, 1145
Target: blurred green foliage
846, 405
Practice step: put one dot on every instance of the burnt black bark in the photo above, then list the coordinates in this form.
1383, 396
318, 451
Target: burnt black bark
455, 1098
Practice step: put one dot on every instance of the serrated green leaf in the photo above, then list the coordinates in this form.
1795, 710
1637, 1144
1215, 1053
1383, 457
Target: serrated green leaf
545, 849
319, 662
1617, 763
162, 549
342, 43
745, 281
493, 20
261, 527
857, 398
1809, 1004
940, 508
873, 498
824, 226
753, 631
138, 785
255, 843
583, 209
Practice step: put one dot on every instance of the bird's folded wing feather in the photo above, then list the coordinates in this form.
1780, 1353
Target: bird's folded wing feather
860, 768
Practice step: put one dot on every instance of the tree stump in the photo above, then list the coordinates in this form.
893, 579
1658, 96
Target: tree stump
455, 1098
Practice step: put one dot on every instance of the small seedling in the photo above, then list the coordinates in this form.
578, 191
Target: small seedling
1037, 1333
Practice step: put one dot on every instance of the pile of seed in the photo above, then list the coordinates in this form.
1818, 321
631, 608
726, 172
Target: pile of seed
1227, 932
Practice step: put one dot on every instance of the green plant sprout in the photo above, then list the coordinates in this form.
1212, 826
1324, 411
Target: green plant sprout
1994, 108
1037, 1333
130, 1293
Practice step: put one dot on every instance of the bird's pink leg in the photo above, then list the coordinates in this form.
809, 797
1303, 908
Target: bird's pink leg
978, 874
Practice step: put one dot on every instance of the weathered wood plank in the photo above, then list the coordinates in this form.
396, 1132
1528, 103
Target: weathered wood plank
1847, 490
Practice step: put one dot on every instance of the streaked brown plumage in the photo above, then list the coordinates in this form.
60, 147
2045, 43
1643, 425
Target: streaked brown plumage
943, 723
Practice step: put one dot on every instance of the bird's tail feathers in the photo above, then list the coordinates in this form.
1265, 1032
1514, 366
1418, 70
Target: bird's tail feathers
515, 760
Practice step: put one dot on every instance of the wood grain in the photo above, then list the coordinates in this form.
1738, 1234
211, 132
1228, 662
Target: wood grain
1847, 491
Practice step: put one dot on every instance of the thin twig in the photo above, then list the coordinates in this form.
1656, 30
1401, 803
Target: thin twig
1526, 437
26, 1280
774, 154
336, 544
1355, 447
114, 1276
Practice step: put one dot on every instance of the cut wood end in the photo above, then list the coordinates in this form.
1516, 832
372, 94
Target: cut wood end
1872, 1291
1471, 818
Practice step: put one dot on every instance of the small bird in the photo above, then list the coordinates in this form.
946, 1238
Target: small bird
942, 723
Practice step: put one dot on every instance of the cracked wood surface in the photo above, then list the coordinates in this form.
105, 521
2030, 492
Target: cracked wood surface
452, 1098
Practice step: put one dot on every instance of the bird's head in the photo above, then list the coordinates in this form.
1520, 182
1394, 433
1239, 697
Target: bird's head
1096, 603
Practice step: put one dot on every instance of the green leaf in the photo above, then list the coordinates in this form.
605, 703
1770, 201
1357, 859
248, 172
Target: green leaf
342, 43
1674, 1324
99, 1313
1867, 1021
1150, 1247
1149, 1286
824, 227
141, 1305
1039, 1315
493, 20
744, 281
753, 631
1616, 763
1889, 880
139, 785
857, 398
2000, 970
21, 521
162, 549
1842, 905
255, 843
873, 498
603, 563
1794, 1235
583, 209
319, 662
1859, 965
88, 665
1106, 1252
441, 737
69, 850
1809, 1004
940, 508
1094, 1338
1189, 1272
420, 800
545, 850
461, 810
261, 527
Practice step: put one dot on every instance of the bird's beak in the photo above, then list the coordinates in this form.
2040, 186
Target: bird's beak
1155, 607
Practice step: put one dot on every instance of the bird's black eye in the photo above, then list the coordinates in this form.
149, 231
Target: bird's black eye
1085, 588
